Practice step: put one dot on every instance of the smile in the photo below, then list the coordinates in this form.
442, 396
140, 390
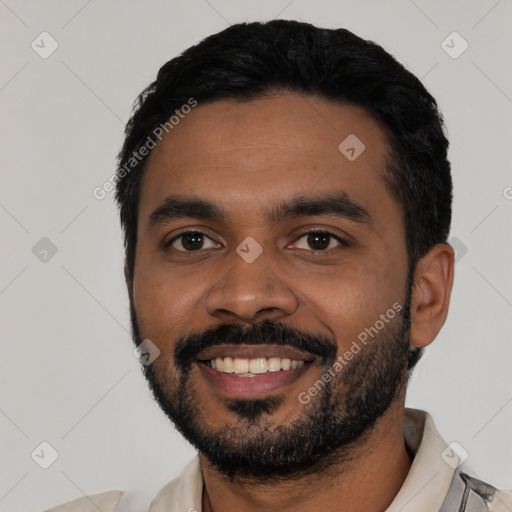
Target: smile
252, 367
252, 371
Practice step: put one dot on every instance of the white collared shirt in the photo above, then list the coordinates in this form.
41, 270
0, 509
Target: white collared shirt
434, 483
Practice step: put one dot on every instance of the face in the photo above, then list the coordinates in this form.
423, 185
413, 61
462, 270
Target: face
271, 272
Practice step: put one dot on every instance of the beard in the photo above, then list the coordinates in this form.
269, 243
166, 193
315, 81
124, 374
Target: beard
338, 418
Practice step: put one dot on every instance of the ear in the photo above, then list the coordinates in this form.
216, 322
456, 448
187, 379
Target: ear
433, 281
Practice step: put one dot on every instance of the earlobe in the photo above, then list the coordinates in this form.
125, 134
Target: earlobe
433, 281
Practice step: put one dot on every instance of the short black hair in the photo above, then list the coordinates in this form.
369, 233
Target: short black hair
250, 60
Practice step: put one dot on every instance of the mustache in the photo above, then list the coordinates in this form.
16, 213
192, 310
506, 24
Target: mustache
262, 333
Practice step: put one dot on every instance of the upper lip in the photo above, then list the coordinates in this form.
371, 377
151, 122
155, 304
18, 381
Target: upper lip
254, 352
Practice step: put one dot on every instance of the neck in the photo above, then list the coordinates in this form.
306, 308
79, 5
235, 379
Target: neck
368, 479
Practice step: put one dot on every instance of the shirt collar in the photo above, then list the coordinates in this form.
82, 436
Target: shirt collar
430, 476
184, 494
424, 489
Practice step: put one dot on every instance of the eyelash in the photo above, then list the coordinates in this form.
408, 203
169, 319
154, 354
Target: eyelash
342, 242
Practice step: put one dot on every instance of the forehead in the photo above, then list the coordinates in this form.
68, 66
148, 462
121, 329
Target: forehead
244, 154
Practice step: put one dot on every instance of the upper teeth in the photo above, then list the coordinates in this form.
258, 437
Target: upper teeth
253, 366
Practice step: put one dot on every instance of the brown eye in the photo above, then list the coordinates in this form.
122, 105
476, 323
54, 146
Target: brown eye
319, 241
190, 241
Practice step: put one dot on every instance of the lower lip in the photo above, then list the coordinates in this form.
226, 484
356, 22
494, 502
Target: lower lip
252, 387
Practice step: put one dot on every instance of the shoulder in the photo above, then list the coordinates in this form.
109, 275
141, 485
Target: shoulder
180, 494
106, 502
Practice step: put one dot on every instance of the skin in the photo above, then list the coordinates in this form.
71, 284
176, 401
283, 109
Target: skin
246, 157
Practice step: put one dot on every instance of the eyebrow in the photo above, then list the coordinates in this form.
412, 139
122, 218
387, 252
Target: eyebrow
337, 205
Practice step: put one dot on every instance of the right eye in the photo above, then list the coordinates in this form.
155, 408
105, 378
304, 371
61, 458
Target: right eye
190, 241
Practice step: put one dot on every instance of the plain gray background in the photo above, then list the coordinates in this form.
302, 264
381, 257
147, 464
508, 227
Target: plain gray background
68, 373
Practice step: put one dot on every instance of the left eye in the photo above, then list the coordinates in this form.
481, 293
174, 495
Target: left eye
320, 240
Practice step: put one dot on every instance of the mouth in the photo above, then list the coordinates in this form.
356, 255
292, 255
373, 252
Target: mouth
253, 371
252, 367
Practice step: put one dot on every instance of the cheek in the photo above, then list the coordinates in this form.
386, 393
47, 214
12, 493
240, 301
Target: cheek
354, 298
163, 299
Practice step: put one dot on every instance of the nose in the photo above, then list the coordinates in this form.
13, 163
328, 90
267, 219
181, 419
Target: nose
249, 292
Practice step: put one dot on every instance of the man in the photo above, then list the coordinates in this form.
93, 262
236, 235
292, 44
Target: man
285, 196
